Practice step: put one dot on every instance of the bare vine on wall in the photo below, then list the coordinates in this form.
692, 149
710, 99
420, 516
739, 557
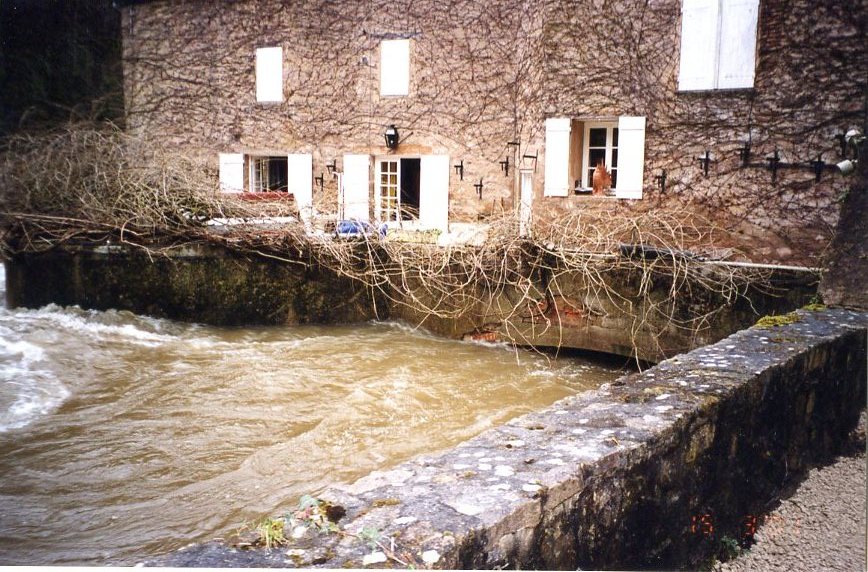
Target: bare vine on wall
488, 73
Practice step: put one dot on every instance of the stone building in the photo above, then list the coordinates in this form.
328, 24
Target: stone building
727, 107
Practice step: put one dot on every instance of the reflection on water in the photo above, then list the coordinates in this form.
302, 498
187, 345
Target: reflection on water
124, 437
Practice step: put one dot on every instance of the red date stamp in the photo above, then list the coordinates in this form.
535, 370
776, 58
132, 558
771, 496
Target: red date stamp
772, 525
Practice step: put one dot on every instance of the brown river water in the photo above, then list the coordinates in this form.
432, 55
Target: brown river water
123, 437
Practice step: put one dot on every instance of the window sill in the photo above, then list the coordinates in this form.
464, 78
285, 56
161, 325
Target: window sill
265, 196
587, 194
717, 91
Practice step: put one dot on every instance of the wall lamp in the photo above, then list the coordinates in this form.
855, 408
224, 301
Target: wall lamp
478, 187
459, 169
392, 137
852, 140
531, 157
504, 166
332, 167
847, 166
321, 181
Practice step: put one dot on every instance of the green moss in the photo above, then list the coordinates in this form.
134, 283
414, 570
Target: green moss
385, 502
767, 322
814, 307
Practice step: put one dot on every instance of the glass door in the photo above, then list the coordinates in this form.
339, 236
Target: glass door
388, 191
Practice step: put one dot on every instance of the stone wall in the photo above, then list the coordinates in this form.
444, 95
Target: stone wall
656, 470
487, 73
193, 283
568, 310
470, 66
622, 59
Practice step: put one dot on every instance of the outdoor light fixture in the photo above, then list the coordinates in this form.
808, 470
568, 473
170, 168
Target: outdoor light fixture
661, 178
478, 188
705, 160
854, 139
332, 167
532, 157
321, 181
851, 144
392, 136
459, 169
846, 166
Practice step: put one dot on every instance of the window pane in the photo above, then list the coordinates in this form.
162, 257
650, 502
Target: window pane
614, 158
614, 179
597, 137
615, 137
596, 156
394, 67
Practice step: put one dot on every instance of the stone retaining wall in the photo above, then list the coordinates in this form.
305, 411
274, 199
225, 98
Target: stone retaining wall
217, 286
653, 470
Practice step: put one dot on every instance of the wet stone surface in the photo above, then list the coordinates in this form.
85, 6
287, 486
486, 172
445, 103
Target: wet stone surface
610, 477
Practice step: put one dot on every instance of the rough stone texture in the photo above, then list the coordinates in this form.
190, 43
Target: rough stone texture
622, 322
844, 283
194, 283
613, 478
487, 73
217, 286
820, 527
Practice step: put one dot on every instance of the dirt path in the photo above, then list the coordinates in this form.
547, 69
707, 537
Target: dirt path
820, 527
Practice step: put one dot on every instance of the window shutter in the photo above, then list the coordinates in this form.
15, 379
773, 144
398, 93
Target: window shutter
631, 157
269, 74
434, 192
299, 170
395, 67
557, 157
357, 172
231, 172
697, 68
738, 34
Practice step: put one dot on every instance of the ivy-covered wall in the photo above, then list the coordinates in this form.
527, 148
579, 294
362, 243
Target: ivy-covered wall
485, 74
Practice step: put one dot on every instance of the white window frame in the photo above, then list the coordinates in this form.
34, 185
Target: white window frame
382, 214
269, 75
255, 168
394, 68
610, 126
718, 44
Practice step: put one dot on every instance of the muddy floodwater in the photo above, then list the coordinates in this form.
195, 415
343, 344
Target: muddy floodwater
123, 437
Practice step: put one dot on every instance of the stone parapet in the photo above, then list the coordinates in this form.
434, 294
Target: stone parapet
653, 470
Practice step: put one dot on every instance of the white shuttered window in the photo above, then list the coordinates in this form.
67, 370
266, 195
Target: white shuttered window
718, 44
231, 172
269, 74
395, 67
356, 181
299, 167
631, 155
434, 192
557, 157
